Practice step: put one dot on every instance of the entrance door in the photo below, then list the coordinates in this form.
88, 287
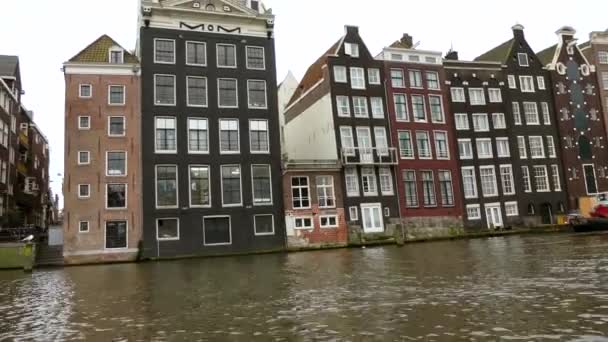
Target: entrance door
494, 216
364, 142
372, 218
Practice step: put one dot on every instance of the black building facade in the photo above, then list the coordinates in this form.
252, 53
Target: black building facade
211, 153
533, 129
485, 146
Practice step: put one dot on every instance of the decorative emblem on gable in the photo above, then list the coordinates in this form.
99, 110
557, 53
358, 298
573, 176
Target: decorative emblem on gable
209, 28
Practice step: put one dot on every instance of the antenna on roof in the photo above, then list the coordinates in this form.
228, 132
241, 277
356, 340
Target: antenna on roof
416, 45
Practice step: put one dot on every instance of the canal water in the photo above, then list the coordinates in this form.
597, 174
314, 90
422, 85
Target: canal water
528, 288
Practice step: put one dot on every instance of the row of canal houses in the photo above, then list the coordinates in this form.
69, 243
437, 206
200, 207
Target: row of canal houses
402, 144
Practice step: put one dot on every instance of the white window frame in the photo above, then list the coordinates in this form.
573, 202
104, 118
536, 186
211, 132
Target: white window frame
82, 128
521, 147
362, 114
238, 134
339, 107
156, 186
156, 151
355, 175
522, 82
414, 72
154, 52
489, 167
371, 175
481, 115
264, 204
424, 111
512, 179
190, 184
350, 150
351, 49
251, 68
407, 112
255, 228
80, 90
512, 205
527, 181
385, 171
158, 238
400, 71
516, 108
537, 138
447, 145
602, 57
124, 95
519, 60
457, 122
457, 94
440, 106
412, 151
300, 187
494, 95
124, 125
236, 59
206, 56
331, 188
88, 230
430, 145
352, 78
546, 113
88, 162
236, 94
267, 137
540, 80
327, 217
512, 82
377, 105
206, 92
249, 95
496, 117
229, 229
376, 73
174, 91
535, 106
505, 141
88, 186
126, 197
474, 179
473, 206
557, 184
471, 97
468, 142
478, 143
188, 136
548, 182
336, 73
427, 80
303, 219
551, 147
126, 163
234, 205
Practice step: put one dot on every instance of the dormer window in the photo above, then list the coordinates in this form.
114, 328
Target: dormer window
351, 49
523, 59
116, 56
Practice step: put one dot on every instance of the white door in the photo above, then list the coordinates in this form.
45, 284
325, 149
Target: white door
494, 216
372, 218
364, 143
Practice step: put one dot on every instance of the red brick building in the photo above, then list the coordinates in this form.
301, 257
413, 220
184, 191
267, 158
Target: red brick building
427, 177
314, 205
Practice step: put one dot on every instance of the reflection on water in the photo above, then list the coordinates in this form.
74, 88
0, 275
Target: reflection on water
515, 288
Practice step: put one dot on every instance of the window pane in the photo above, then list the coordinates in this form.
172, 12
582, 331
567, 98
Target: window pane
231, 185
255, 57
116, 234
117, 125
199, 186
117, 164
264, 224
165, 90
166, 186
227, 92
117, 196
217, 230
229, 136
196, 53
197, 91
256, 93
198, 135
164, 51
226, 55
262, 188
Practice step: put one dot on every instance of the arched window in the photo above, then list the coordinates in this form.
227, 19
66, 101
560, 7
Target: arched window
210, 7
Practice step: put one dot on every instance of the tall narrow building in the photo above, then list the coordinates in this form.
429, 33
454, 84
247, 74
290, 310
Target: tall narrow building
578, 101
428, 178
210, 130
102, 173
596, 51
338, 113
532, 133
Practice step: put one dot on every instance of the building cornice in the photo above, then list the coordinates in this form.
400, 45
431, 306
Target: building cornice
129, 69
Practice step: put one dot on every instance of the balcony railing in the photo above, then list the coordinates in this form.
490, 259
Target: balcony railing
369, 156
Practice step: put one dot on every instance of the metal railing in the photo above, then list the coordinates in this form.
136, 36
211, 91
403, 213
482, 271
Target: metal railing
369, 156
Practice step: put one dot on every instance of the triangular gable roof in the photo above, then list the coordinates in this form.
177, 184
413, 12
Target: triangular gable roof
314, 74
546, 56
98, 52
497, 54
236, 4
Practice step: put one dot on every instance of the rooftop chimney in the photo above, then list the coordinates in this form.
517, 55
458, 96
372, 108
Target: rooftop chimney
452, 55
407, 41
518, 30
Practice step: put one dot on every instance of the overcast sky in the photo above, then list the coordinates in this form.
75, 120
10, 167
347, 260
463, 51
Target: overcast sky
44, 34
